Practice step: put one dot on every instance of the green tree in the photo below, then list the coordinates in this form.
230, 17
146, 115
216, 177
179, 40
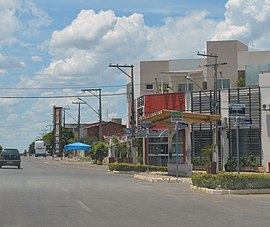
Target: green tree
99, 151
31, 149
119, 149
48, 139
241, 82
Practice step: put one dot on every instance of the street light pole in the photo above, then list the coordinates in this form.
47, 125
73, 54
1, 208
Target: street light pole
133, 145
100, 110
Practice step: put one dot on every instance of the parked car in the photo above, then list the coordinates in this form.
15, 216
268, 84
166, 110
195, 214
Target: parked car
10, 157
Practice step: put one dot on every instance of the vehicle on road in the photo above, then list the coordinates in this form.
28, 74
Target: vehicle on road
10, 157
40, 148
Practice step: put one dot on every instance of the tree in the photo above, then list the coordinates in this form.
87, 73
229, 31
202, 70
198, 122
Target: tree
119, 148
241, 82
99, 151
31, 149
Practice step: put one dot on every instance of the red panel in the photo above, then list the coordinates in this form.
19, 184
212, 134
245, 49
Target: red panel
169, 101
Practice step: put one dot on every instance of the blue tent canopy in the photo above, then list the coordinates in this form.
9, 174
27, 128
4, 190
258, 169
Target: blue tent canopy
77, 146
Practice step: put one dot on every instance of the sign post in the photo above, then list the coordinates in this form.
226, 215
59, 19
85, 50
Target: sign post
237, 110
178, 118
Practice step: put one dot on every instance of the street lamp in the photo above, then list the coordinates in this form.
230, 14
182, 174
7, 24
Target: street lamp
100, 111
189, 78
133, 145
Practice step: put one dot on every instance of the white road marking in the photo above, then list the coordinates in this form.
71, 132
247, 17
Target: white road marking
84, 206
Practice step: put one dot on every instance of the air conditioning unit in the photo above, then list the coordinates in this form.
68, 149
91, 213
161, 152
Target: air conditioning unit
266, 106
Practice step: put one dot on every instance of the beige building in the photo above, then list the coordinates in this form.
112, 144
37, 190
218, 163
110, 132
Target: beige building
228, 61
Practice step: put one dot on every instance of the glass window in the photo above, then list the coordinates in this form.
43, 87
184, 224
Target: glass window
223, 83
149, 87
185, 87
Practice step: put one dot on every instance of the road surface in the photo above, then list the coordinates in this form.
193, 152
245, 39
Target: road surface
47, 193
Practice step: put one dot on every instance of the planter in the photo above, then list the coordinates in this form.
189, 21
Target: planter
184, 169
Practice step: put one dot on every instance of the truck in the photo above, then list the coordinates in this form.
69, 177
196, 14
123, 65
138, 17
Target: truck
40, 148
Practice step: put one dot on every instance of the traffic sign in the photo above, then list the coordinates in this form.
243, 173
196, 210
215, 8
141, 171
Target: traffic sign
245, 121
147, 124
128, 130
177, 116
236, 109
182, 125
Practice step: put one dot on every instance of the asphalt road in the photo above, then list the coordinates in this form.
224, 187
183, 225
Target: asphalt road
48, 193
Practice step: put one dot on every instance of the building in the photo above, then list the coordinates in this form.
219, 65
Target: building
226, 62
110, 128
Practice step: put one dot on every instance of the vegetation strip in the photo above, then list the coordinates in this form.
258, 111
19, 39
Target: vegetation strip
230, 181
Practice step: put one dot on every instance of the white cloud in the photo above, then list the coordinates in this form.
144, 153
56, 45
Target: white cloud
36, 58
82, 50
13, 117
247, 21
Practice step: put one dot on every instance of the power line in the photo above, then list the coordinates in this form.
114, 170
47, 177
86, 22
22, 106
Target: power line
57, 96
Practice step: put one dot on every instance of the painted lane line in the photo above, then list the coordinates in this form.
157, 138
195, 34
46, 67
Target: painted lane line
82, 205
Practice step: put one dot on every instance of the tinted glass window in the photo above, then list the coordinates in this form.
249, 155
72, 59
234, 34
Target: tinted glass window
10, 151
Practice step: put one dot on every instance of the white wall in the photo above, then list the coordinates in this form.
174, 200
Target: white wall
264, 82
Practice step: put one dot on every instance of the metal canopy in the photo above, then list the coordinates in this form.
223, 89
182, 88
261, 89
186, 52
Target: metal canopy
163, 118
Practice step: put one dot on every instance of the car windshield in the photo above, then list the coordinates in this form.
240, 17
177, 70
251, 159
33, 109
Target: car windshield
10, 151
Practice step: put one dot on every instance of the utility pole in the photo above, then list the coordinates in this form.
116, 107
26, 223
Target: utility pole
100, 110
214, 110
133, 144
64, 116
79, 118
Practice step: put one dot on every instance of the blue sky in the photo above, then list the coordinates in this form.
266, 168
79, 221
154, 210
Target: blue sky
56, 48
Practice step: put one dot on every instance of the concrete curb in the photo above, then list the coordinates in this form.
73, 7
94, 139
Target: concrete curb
160, 178
230, 192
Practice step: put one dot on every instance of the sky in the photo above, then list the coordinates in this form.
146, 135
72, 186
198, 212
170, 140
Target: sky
51, 50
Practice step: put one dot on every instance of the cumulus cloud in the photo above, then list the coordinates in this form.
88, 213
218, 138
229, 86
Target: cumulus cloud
81, 51
7, 62
95, 39
247, 21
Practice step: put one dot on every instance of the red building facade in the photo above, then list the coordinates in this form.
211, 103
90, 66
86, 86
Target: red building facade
156, 146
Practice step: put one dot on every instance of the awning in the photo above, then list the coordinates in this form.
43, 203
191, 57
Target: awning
163, 117
77, 146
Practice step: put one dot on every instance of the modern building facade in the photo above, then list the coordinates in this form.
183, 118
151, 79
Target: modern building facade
198, 81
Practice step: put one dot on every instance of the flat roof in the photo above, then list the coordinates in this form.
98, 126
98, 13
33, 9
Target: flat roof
163, 117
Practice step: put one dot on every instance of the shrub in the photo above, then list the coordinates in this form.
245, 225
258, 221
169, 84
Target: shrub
231, 181
136, 168
99, 151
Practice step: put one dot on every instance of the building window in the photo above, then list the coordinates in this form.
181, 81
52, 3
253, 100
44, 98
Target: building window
223, 83
185, 87
149, 87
